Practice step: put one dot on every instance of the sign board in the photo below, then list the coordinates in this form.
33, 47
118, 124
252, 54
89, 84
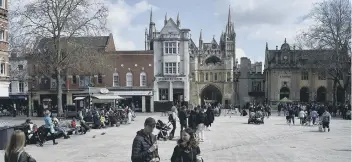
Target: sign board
170, 79
133, 93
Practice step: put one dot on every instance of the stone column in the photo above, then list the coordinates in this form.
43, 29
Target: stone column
143, 103
186, 90
171, 92
156, 92
151, 104
69, 98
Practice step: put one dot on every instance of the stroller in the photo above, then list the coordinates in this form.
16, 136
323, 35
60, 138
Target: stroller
164, 129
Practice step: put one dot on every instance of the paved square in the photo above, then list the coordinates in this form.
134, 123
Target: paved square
231, 139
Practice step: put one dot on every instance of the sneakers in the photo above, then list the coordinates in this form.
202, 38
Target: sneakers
55, 143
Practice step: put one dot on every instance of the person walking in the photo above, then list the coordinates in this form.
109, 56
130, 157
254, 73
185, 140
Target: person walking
326, 118
48, 128
187, 148
200, 124
172, 120
14, 152
210, 118
314, 115
192, 119
145, 147
182, 116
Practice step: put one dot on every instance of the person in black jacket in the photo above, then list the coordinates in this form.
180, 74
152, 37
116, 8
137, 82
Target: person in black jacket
187, 149
210, 118
192, 120
144, 147
182, 116
201, 117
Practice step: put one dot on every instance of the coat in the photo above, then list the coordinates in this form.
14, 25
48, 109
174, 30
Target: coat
21, 156
140, 147
184, 154
210, 115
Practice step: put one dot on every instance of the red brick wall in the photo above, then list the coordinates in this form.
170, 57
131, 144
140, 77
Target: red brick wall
134, 62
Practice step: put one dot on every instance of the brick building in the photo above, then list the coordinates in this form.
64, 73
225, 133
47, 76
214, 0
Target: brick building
128, 74
4, 59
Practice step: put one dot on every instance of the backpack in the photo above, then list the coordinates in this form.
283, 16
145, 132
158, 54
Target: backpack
326, 118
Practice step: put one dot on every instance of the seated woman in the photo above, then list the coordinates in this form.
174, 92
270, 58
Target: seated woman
187, 149
97, 121
59, 129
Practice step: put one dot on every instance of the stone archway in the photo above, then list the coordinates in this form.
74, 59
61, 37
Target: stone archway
340, 95
321, 94
211, 93
304, 94
284, 92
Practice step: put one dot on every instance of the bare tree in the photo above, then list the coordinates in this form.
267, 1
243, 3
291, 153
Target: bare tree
331, 31
51, 27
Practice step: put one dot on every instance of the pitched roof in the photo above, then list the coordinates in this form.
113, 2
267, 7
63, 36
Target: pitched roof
96, 41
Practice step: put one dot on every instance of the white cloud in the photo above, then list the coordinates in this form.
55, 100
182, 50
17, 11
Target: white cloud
120, 20
240, 53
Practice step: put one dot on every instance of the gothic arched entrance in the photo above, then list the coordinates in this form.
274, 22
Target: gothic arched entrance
210, 94
340, 94
321, 94
284, 92
304, 94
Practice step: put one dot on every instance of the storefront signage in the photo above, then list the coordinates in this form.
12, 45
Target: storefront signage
170, 79
133, 93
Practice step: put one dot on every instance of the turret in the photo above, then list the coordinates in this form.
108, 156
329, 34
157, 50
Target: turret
165, 21
200, 40
178, 20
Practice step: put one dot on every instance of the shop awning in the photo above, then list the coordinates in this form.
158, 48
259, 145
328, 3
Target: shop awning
108, 97
79, 98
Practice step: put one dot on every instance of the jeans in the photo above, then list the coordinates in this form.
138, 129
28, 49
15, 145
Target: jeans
45, 135
293, 119
172, 133
200, 131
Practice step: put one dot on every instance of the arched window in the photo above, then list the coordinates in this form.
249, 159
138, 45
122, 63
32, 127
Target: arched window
129, 79
115, 79
143, 79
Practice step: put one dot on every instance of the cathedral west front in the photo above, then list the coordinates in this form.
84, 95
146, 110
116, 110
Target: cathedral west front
211, 66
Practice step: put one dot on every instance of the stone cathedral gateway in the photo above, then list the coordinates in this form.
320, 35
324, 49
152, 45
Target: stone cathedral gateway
188, 72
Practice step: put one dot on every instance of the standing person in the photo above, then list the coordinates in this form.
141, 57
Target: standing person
326, 120
144, 147
291, 113
210, 117
200, 124
301, 116
314, 115
14, 151
182, 116
192, 119
48, 128
187, 149
172, 120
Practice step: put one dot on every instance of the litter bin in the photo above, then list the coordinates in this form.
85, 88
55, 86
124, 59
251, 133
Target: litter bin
5, 134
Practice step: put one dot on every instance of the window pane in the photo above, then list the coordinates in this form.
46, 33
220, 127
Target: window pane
173, 50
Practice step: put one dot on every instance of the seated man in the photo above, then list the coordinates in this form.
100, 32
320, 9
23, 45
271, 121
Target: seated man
59, 128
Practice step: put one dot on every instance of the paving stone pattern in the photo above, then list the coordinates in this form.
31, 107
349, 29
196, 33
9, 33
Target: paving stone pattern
231, 139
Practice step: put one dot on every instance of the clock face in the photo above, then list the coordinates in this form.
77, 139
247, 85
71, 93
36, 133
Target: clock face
285, 57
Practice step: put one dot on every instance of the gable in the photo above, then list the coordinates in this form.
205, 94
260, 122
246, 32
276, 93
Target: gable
170, 27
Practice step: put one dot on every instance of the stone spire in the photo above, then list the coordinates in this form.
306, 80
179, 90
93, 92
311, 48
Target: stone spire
151, 15
200, 40
266, 46
165, 21
178, 22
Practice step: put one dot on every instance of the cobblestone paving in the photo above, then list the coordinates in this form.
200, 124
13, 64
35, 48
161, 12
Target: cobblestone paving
231, 139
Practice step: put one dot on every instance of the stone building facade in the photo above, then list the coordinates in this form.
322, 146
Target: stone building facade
211, 65
293, 74
18, 88
251, 83
171, 63
187, 73
4, 54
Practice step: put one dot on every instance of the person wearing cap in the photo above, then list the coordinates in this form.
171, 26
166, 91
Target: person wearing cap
144, 147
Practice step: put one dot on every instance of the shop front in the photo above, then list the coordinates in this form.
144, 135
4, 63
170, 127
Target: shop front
140, 101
